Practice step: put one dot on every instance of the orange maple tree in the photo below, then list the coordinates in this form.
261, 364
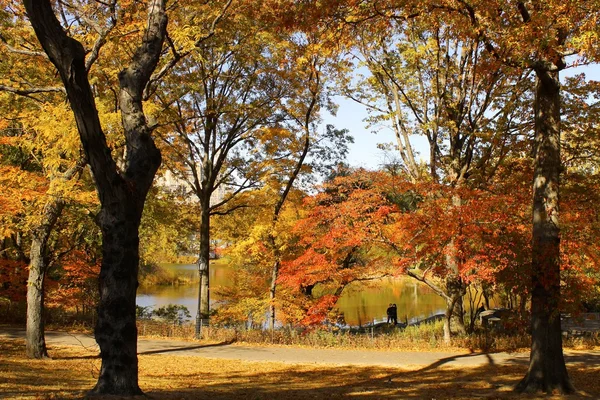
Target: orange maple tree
368, 225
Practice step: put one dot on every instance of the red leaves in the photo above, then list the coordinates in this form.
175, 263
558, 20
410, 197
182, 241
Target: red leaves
13, 280
78, 284
373, 224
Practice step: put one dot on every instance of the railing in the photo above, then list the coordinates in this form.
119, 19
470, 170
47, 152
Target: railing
580, 325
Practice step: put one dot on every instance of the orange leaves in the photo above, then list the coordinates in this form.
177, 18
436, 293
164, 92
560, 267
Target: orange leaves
78, 284
319, 310
370, 224
13, 280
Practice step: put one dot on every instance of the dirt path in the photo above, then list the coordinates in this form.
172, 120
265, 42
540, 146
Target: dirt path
298, 355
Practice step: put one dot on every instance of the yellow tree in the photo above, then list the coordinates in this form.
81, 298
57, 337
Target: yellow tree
309, 57
45, 129
229, 93
122, 180
122, 193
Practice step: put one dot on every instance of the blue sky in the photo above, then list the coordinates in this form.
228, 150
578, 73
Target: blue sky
364, 151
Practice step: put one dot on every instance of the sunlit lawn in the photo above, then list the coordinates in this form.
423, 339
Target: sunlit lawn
73, 371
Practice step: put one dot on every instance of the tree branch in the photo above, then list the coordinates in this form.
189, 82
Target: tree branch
33, 90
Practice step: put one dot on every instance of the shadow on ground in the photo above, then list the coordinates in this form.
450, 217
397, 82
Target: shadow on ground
165, 350
71, 373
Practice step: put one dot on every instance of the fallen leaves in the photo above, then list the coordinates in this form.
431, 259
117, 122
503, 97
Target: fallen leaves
73, 371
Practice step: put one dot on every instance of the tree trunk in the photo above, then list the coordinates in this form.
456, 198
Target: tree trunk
203, 315
459, 313
279, 206
272, 293
453, 297
547, 370
447, 321
455, 287
116, 330
35, 342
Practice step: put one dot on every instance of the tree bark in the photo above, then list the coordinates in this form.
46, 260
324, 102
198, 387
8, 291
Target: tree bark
453, 295
273, 292
203, 316
35, 341
547, 371
122, 195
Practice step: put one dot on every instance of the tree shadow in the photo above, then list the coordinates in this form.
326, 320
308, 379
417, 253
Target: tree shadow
185, 348
302, 382
174, 376
89, 357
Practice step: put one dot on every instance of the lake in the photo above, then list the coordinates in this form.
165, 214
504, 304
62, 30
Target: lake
361, 303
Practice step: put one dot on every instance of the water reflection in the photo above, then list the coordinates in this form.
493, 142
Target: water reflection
361, 303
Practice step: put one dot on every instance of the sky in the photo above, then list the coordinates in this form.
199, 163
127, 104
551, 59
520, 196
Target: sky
364, 151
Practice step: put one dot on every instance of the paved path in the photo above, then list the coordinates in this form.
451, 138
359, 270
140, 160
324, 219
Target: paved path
297, 355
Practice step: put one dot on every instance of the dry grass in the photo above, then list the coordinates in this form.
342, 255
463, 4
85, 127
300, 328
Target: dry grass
425, 337
73, 371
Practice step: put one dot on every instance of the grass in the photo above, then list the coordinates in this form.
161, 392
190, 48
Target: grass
425, 337
74, 370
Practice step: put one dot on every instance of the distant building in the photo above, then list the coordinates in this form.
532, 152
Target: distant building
173, 184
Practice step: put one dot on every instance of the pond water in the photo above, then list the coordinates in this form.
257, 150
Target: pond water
361, 303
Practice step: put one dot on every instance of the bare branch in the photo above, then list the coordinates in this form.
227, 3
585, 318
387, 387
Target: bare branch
25, 52
177, 56
211, 31
33, 90
101, 40
230, 210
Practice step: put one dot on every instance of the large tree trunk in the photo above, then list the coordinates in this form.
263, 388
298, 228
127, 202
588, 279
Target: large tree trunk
116, 331
122, 194
203, 315
35, 342
547, 370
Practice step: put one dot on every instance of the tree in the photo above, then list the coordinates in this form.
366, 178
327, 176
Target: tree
252, 91
368, 225
33, 88
167, 228
534, 36
228, 96
425, 80
28, 138
549, 32
310, 57
122, 193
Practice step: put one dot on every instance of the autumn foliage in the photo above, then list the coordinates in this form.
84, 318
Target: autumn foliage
371, 224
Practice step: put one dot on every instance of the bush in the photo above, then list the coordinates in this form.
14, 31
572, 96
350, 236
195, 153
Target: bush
173, 313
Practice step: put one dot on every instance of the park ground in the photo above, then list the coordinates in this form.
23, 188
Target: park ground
172, 369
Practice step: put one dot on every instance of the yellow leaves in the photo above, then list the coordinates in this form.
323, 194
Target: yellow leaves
52, 131
267, 134
20, 190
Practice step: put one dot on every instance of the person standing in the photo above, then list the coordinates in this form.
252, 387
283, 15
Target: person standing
394, 314
390, 313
